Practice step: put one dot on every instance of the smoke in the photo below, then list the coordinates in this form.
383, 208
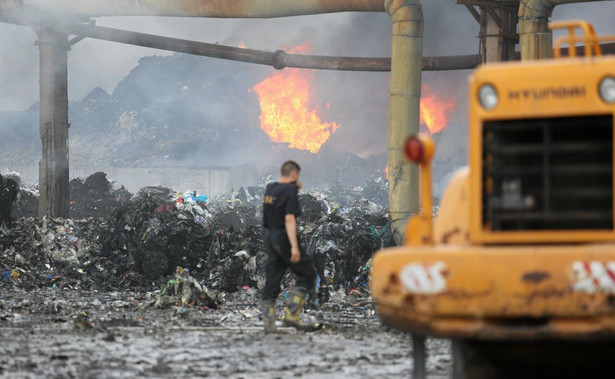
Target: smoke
18, 80
358, 101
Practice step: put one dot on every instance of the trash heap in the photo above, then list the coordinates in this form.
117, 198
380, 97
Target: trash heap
95, 196
52, 254
157, 236
9, 190
26, 204
149, 237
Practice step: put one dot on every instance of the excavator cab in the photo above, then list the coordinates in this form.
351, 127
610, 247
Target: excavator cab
520, 261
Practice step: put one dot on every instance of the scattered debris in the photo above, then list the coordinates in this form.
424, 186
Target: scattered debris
138, 242
184, 290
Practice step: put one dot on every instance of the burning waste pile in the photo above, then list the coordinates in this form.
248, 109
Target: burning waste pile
185, 248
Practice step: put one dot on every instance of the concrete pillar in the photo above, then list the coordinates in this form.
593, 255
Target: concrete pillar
53, 167
493, 39
535, 38
406, 71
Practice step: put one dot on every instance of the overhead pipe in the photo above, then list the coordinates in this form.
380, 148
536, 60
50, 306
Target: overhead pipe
193, 8
535, 38
278, 59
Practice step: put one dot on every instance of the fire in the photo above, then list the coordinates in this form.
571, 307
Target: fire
242, 45
286, 113
435, 111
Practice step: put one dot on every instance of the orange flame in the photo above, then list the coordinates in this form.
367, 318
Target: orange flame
435, 111
242, 45
286, 114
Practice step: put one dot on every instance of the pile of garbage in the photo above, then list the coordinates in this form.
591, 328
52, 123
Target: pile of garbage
50, 253
159, 238
95, 196
151, 237
9, 189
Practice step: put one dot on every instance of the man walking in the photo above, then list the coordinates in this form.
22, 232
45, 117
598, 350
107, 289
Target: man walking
280, 211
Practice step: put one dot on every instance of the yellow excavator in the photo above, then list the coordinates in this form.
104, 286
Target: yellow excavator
518, 267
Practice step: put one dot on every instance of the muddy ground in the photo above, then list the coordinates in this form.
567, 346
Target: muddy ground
70, 333
160, 285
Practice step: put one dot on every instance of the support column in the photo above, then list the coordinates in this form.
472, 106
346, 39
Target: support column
406, 71
498, 33
535, 38
53, 167
493, 38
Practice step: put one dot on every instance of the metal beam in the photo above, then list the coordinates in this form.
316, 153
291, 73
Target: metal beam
473, 12
73, 41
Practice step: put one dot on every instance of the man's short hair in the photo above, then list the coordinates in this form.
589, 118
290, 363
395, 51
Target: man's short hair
288, 167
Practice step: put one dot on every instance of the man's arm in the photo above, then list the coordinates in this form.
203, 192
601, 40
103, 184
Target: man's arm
290, 221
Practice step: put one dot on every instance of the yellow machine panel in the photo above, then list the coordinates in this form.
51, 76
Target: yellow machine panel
541, 159
490, 292
523, 246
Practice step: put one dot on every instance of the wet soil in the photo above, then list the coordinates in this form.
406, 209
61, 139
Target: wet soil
70, 333
154, 287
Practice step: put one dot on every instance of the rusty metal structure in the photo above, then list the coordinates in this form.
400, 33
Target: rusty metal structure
498, 21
